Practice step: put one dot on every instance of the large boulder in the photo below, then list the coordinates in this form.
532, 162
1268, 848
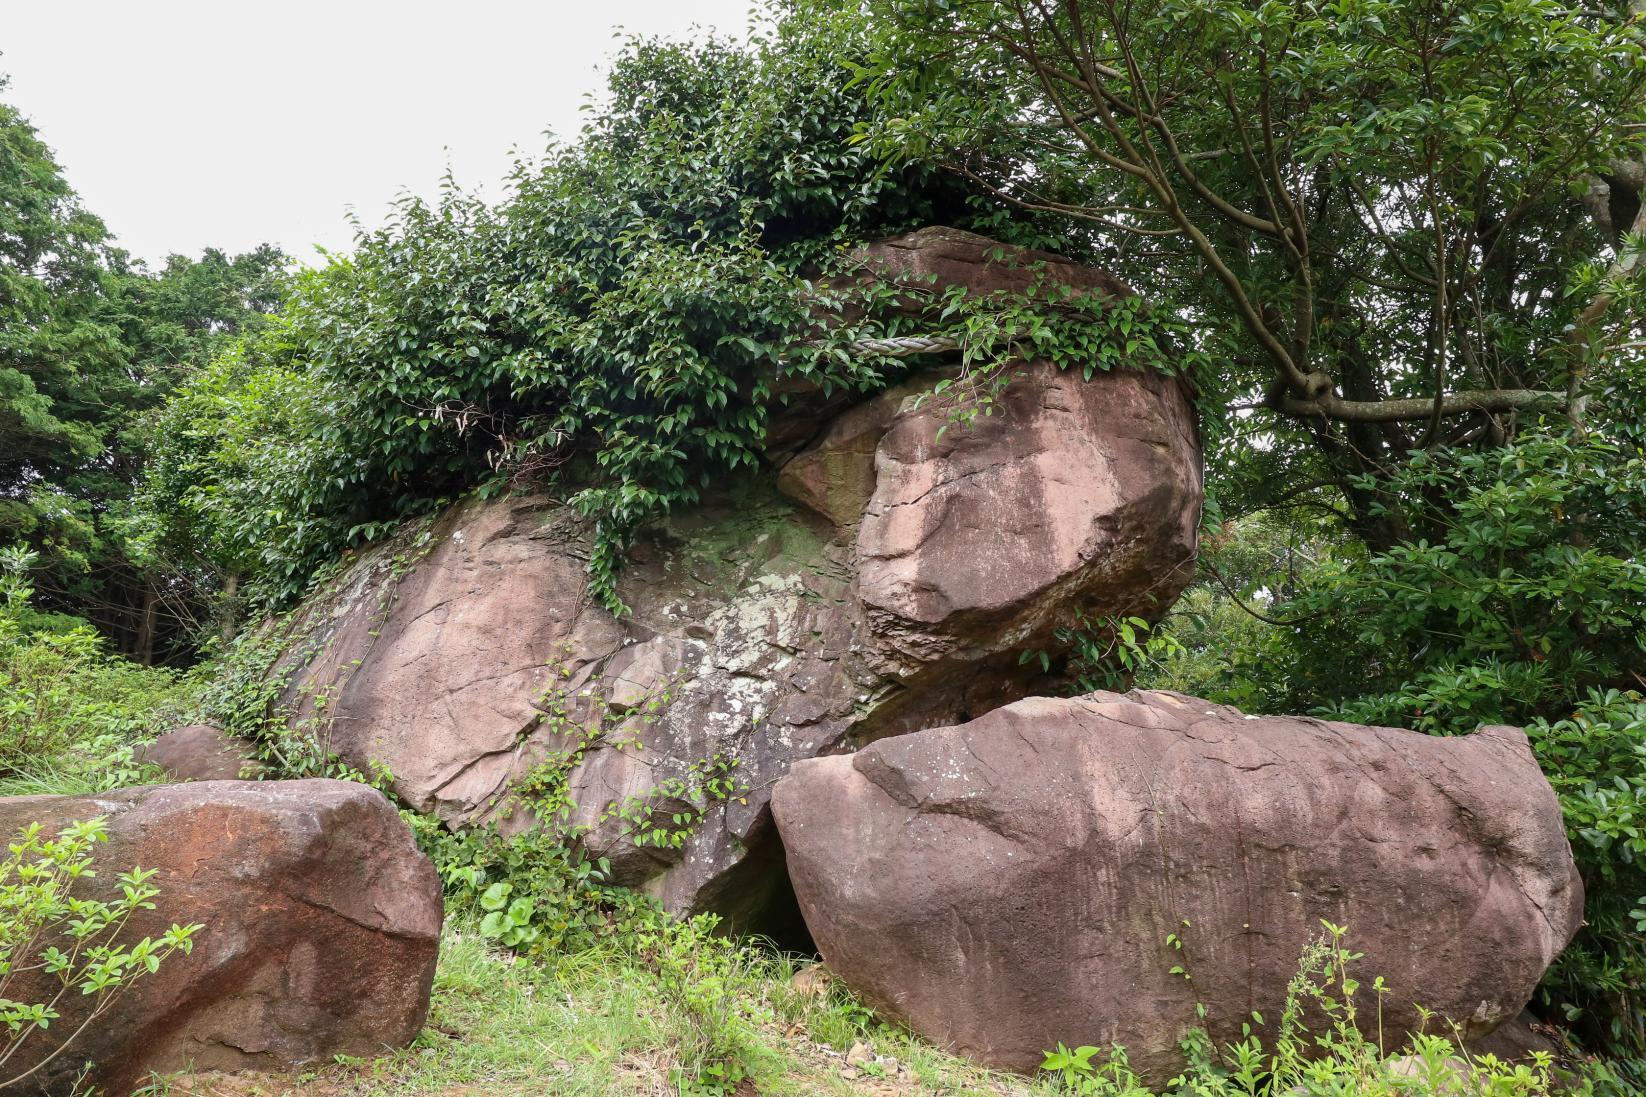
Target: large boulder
1012, 882
322, 927
201, 752
883, 576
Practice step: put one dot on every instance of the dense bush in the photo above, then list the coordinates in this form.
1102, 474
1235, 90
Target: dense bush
65, 701
628, 304
1596, 761
1523, 586
627, 317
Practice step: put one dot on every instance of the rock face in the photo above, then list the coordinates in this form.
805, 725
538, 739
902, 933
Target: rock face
1011, 882
200, 752
1073, 493
886, 579
322, 928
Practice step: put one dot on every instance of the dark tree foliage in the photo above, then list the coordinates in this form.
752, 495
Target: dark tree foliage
89, 341
1382, 212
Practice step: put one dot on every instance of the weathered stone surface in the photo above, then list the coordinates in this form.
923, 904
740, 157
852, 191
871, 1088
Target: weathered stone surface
893, 590
200, 752
1520, 1038
1010, 883
937, 257
322, 927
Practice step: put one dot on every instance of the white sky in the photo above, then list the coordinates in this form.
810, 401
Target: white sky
193, 123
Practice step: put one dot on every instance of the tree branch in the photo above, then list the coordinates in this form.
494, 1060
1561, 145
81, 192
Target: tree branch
1492, 401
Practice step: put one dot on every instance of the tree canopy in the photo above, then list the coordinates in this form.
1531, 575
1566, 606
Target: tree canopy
1378, 210
89, 341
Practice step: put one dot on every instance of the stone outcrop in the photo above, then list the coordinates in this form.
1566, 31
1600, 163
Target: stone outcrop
322, 926
1010, 883
887, 578
200, 752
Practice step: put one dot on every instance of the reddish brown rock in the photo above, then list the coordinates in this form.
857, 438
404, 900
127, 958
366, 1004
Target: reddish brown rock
1072, 493
322, 926
1011, 883
933, 258
893, 589
200, 752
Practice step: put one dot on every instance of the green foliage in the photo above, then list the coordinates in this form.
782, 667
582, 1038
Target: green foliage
539, 891
65, 703
44, 927
49, 253
1358, 204
533, 891
699, 973
666, 815
627, 322
1317, 1049
1523, 587
1532, 590
1596, 761
88, 341
624, 302
1108, 654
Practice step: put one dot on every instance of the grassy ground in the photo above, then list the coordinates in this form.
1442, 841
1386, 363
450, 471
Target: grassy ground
602, 1023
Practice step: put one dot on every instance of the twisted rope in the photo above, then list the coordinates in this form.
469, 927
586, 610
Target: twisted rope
906, 346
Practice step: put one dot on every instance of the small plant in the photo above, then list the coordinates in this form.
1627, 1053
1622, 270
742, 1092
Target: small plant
701, 973
45, 929
508, 920
1109, 652
534, 892
668, 814
1318, 1050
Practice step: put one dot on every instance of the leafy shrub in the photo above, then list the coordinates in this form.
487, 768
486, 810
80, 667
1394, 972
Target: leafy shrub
1525, 589
1522, 587
626, 321
64, 700
534, 892
44, 927
701, 974
1596, 761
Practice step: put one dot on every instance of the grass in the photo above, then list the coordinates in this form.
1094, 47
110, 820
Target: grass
604, 1023
614, 1021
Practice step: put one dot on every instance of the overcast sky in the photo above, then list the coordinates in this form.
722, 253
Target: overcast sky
193, 123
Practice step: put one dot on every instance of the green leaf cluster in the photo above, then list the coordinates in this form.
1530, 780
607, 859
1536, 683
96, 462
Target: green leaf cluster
46, 927
624, 326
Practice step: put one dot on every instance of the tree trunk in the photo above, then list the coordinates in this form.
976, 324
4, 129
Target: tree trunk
146, 625
228, 614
